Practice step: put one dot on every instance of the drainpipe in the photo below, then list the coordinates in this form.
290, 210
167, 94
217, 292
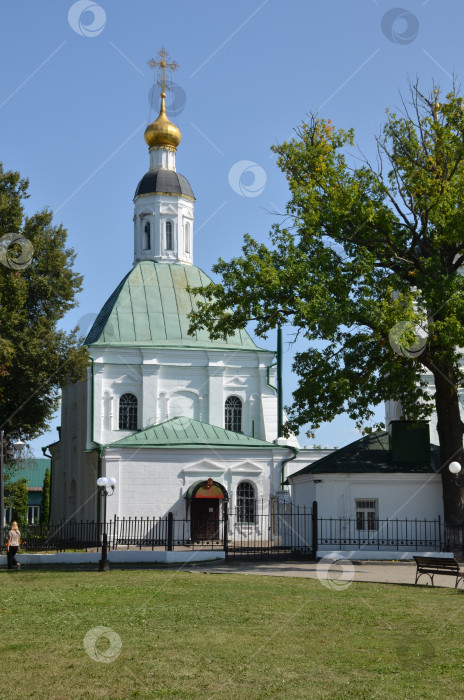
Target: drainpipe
50, 457
285, 462
280, 408
278, 389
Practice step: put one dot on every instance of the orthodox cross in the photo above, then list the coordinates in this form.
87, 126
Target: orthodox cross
162, 65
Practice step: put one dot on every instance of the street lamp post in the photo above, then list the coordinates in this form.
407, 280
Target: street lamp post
103, 483
2, 479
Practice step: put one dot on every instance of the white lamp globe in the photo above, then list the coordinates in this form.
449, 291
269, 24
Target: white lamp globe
102, 481
111, 481
454, 467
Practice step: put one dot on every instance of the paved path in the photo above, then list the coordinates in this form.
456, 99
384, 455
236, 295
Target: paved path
368, 571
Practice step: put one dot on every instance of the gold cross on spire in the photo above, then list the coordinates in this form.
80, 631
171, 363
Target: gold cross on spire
162, 65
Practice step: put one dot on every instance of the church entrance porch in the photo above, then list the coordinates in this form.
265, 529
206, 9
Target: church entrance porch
205, 510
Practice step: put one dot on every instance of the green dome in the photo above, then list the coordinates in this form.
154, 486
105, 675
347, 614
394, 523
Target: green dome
149, 309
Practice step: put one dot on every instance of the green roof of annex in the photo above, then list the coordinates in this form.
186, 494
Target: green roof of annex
189, 433
33, 470
150, 308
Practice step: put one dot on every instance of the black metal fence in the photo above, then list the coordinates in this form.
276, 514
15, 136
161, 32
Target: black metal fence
280, 530
123, 533
58, 537
398, 535
277, 531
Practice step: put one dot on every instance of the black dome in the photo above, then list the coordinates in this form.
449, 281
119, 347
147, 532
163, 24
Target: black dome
164, 181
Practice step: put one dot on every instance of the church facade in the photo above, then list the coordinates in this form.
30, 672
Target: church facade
179, 421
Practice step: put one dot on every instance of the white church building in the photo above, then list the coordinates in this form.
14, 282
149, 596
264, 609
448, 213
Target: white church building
183, 423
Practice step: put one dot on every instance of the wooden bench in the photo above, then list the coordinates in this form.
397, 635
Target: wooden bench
437, 565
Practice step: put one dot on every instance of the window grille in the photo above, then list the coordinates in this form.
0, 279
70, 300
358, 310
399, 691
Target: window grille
233, 414
128, 412
246, 503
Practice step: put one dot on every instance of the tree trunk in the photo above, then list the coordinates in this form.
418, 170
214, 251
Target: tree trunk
450, 433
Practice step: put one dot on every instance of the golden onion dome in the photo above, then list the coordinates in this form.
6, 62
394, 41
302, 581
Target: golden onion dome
162, 132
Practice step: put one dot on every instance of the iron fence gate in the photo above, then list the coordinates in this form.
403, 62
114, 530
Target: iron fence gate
272, 531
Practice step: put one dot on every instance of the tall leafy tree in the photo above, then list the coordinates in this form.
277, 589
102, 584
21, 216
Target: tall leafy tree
45, 503
37, 287
368, 270
16, 498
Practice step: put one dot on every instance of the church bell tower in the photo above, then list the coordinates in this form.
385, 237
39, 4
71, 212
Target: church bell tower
163, 211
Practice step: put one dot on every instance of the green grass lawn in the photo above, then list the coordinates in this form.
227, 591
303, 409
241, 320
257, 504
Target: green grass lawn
187, 635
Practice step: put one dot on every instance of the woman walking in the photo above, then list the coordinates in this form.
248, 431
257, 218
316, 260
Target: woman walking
12, 546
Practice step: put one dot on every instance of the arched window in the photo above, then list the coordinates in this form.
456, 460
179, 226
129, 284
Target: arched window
128, 412
169, 245
187, 237
233, 414
246, 503
147, 236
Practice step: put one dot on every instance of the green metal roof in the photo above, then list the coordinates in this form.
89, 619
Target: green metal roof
149, 308
33, 470
187, 432
370, 454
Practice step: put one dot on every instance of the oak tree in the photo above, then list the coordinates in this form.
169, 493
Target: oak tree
367, 267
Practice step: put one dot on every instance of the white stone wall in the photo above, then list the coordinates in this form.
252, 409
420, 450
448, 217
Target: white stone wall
153, 482
168, 383
399, 495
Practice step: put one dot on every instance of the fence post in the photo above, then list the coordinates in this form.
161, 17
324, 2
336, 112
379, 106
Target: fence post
226, 529
170, 528
314, 532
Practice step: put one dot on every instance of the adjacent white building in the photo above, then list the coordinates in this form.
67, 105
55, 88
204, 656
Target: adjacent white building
381, 492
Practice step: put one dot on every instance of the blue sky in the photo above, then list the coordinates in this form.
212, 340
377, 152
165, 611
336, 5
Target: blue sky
74, 101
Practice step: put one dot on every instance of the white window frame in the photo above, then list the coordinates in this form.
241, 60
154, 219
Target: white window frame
171, 234
367, 514
187, 237
33, 515
147, 235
